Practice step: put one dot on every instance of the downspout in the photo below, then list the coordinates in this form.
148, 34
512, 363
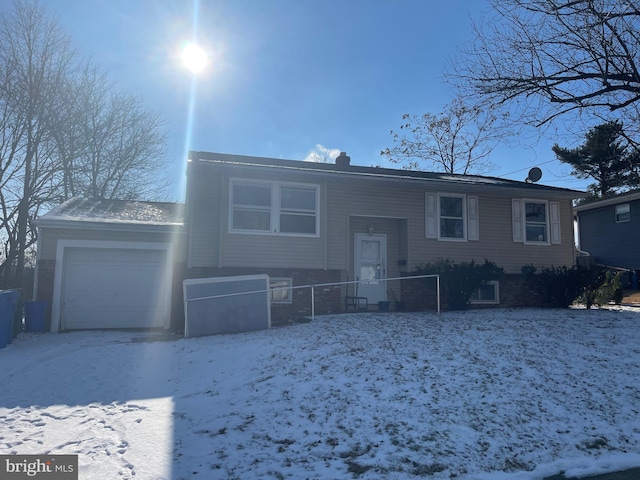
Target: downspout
36, 273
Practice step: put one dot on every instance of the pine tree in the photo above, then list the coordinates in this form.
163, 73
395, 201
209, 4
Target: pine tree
604, 157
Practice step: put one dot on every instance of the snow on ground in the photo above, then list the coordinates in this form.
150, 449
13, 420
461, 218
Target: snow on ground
479, 395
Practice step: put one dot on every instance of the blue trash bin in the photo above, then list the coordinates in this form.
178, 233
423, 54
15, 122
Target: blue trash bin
6, 319
8, 302
35, 316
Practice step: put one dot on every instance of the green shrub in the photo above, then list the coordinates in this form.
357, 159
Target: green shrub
458, 281
610, 289
561, 286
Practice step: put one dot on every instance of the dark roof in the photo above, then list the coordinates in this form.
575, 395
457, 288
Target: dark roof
374, 172
613, 200
93, 210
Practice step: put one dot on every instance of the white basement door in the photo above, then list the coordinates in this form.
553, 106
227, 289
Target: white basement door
115, 288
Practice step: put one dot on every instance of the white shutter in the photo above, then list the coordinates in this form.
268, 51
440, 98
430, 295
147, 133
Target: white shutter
554, 208
516, 216
473, 232
430, 216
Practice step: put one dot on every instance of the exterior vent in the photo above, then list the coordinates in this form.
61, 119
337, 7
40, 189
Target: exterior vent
343, 160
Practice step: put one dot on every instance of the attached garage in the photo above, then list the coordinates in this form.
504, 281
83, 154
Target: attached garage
110, 264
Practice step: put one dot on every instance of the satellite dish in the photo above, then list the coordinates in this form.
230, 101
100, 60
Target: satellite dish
535, 174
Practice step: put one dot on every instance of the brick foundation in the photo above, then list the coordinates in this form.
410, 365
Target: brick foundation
420, 295
327, 299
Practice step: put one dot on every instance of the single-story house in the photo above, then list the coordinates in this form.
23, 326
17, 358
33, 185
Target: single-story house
609, 229
308, 223
111, 264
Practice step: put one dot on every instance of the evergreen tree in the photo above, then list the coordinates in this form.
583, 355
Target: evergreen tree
605, 157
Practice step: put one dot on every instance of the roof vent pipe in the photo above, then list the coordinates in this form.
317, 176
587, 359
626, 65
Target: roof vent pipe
343, 160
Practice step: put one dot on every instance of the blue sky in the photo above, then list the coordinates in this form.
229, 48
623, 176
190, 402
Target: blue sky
288, 76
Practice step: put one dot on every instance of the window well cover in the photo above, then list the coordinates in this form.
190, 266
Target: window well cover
226, 305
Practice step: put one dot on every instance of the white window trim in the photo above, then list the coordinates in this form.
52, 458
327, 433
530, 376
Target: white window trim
275, 209
496, 284
464, 217
289, 286
615, 210
524, 221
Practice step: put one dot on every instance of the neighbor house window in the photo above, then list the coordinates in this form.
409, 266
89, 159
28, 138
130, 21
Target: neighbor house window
623, 213
275, 208
280, 290
488, 293
536, 222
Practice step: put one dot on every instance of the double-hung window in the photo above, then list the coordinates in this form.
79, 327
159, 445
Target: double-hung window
623, 213
251, 207
535, 222
274, 208
298, 209
451, 216
451, 212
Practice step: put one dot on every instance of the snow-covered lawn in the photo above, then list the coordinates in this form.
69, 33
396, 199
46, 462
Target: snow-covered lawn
495, 394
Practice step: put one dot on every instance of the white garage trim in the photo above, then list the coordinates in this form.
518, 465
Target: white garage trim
63, 247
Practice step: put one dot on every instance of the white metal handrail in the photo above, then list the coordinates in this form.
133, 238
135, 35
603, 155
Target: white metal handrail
332, 284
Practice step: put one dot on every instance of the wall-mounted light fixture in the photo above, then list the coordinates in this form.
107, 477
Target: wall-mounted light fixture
370, 229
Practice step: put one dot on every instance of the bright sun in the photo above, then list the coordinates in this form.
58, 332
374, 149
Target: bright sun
194, 57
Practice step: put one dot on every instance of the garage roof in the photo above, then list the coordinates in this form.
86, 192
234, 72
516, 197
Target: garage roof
124, 212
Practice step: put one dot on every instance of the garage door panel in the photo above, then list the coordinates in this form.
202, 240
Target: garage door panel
114, 288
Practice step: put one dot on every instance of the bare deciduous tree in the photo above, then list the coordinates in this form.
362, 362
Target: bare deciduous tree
35, 58
549, 58
64, 131
112, 147
457, 140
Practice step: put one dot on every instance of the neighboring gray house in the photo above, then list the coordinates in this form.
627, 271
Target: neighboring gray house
307, 223
609, 230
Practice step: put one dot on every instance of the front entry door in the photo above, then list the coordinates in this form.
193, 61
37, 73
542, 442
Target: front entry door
371, 266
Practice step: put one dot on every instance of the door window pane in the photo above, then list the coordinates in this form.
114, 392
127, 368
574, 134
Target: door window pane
370, 251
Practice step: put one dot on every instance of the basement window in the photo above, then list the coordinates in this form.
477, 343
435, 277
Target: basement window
280, 290
487, 294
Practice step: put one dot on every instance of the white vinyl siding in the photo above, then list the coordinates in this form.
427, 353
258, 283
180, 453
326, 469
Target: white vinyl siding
451, 217
274, 208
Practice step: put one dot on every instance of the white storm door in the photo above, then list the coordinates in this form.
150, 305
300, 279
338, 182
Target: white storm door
371, 266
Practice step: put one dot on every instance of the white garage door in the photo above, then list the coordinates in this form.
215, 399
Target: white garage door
115, 288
